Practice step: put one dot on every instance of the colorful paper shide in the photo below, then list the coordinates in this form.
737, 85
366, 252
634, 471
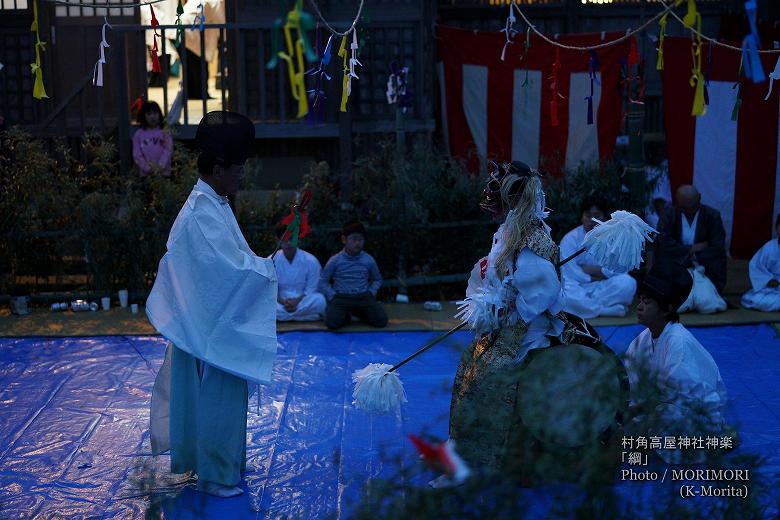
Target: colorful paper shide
442, 457
154, 52
297, 221
297, 24
39, 92
750, 45
97, 72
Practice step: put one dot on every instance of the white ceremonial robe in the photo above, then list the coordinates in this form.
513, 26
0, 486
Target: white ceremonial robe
704, 297
299, 278
584, 297
691, 391
764, 267
533, 285
213, 297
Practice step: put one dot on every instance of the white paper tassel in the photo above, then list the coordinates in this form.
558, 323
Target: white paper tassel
482, 309
617, 244
377, 390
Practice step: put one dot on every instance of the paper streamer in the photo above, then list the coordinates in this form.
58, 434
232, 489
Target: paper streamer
525, 55
97, 71
593, 66
155, 51
39, 92
179, 24
775, 74
738, 101
200, 18
692, 17
659, 64
750, 45
509, 30
317, 94
397, 87
554, 87
298, 23
345, 78
699, 108
349, 67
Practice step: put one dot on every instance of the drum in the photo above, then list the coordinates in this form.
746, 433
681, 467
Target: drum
569, 395
570, 403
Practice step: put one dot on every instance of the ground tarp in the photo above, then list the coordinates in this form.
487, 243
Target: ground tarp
74, 421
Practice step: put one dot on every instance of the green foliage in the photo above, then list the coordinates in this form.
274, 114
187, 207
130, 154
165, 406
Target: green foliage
585, 482
421, 210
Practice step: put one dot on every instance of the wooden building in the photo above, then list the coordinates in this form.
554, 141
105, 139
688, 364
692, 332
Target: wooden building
389, 30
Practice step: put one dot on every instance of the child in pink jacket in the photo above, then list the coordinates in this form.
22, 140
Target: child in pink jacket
152, 146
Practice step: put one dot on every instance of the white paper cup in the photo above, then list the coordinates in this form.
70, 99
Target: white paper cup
105, 302
134, 308
123, 298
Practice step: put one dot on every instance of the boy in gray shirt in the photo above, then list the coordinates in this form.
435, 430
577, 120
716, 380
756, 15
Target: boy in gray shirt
350, 281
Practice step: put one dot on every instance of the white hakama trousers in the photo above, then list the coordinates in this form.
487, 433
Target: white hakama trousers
310, 308
610, 297
766, 299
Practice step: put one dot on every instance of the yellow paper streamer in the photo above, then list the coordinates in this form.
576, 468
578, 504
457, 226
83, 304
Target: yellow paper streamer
295, 51
659, 64
697, 78
39, 92
345, 80
692, 17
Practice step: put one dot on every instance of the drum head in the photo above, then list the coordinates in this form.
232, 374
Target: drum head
568, 395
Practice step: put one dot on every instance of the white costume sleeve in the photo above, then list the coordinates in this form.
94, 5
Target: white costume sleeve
537, 284
475, 278
760, 275
213, 298
571, 271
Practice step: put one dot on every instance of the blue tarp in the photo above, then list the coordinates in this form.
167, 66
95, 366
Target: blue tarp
74, 422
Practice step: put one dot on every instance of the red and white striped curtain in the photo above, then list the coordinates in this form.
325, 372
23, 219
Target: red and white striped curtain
506, 110
734, 164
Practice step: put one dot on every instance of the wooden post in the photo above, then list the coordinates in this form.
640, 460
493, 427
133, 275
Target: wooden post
345, 155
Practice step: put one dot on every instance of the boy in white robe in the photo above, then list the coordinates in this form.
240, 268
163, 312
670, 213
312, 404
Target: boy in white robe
214, 301
675, 383
765, 276
591, 291
298, 273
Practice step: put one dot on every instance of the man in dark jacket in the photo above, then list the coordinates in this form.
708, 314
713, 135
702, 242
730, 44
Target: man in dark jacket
693, 232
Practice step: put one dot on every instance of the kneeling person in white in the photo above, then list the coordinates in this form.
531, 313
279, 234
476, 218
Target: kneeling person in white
299, 273
690, 394
589, 290
213, 300
765, 277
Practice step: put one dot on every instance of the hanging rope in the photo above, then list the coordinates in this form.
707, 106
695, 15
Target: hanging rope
331, 29
667, 9
101, 6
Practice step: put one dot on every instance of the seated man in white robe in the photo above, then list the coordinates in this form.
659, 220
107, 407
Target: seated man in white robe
298, 273
765, 276
591, 291
214, 301
676, 388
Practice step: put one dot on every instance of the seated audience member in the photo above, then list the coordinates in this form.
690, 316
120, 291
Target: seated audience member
589, 290
687, 394
692, 235
298, 273
765, 276
654, 212
350, 281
